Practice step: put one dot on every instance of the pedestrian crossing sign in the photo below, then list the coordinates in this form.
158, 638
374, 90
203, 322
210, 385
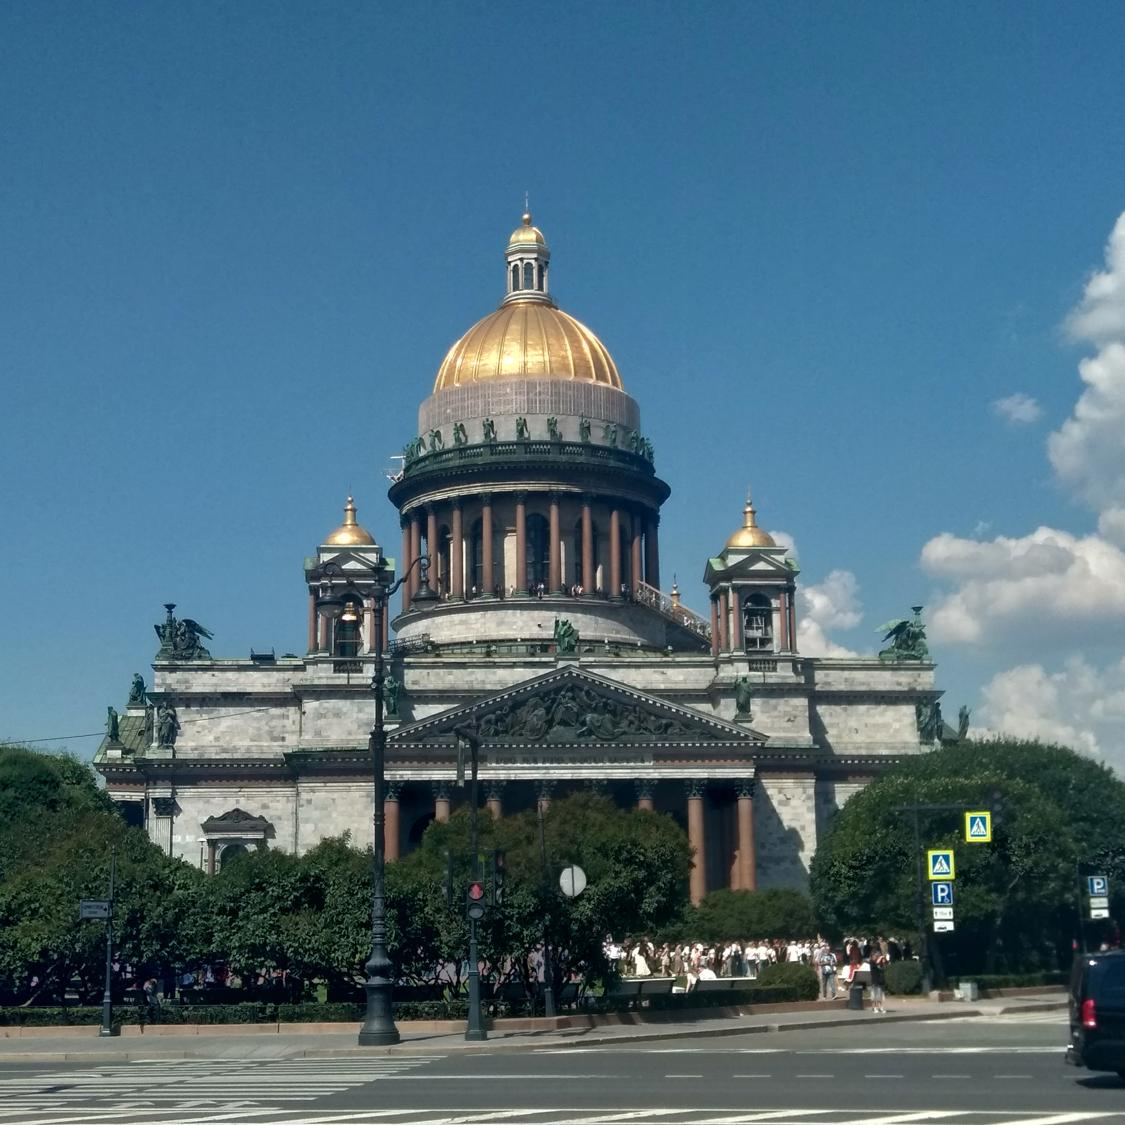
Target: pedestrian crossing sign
939, 862
978, 827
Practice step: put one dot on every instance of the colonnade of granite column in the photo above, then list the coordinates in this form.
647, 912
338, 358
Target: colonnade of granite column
421, 527
743, 873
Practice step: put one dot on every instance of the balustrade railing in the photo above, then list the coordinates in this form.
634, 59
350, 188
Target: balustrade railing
644, 594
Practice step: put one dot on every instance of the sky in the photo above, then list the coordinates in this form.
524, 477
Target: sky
866, 259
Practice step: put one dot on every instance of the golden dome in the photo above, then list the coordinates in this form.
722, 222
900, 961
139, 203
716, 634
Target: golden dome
750, 534
532, 339
526, 234
349, 533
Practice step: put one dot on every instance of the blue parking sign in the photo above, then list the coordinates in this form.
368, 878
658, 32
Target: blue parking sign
1097, 885
941, 894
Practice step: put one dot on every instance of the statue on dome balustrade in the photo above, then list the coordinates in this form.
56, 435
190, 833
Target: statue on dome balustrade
460, 435
609, 434
583, 429
522, 432
553, 429
488, 426
437, 442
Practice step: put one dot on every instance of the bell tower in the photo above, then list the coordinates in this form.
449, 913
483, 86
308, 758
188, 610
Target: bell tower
752, 593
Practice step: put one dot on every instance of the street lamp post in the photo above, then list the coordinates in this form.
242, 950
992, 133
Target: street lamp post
379, 1025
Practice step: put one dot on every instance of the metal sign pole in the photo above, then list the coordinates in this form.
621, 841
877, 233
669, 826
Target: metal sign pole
107, 995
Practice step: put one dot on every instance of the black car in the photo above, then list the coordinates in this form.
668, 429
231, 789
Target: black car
1097, 1012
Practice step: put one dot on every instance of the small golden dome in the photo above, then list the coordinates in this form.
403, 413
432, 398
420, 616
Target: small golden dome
349, 533
750, 534
528, 339
527, 234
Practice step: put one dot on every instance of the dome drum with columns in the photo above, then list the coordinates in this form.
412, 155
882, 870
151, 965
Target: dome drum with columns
533, 489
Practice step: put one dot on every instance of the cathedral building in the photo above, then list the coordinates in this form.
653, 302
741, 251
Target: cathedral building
541, 623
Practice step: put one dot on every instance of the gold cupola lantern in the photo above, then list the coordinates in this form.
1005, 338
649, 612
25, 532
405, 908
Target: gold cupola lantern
750, 534
349, 533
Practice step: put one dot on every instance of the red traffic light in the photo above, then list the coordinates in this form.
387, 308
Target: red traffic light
476, 891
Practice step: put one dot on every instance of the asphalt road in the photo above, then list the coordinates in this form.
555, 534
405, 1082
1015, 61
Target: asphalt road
962, 1072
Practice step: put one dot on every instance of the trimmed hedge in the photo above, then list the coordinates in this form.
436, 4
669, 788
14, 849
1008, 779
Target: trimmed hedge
903, 978
1017, 980
791, 974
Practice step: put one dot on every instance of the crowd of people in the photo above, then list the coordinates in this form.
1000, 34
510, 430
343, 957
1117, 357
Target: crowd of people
835, 968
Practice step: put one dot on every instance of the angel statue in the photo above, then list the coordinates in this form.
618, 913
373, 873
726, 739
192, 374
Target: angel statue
907, 637
179, 639
963, 723
137, 691
566, 637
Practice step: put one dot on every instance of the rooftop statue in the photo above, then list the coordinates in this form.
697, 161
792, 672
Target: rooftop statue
609, 433
437, 442
179, 640
907, 637
583, 429
390, 696
963, 723
488, 426
928, 716
743, 698
460, 437
112, 728
137, 691
167, 725
553, 428
566, 637
522, 432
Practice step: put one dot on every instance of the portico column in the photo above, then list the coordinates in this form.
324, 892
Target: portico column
312, 622
791, 599
614, 553
521, 545
415, 582
369, 625
783, 622
322, 635
747, 861
390, 821
644, 794
724, 621
432, 546
543, 794
487, 581
407, 560
696, 837
714, 626
457, 554
495, 799
652, 552
554, 577
212, 850
441, 801
636, 574
736, 621
587, 546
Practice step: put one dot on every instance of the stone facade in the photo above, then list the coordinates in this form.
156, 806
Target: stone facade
529, 511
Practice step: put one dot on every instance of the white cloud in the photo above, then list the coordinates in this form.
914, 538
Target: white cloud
1018, 409
1088, 450
1100, 316
784, 539
831, 604
1080, 705
1009, 588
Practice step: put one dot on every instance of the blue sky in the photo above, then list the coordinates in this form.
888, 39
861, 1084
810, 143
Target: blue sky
821, 241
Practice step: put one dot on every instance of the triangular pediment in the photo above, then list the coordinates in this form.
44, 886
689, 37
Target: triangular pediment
573, 706
758, 566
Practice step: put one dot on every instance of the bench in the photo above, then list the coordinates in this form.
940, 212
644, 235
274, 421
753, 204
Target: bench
720, 984
656, 986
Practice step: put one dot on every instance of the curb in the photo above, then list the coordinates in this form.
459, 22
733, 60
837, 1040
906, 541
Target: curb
496, 1046
1039, 1006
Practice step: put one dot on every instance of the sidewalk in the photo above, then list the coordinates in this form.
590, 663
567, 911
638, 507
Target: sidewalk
319, 1043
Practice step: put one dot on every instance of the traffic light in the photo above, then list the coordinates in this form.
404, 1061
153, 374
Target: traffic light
474, 901
498, 873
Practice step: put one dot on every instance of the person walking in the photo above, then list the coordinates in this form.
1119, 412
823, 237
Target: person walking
826, 965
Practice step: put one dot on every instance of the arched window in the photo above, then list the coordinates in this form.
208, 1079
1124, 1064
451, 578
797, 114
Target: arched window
542, 277
515, 277
538, 552
528, 275
232, 852
757, 630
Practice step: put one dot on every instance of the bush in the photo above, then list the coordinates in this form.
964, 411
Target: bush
903, 978
1017, 980
801, 978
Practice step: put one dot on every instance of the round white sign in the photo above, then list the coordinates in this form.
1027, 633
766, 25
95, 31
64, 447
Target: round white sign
572, 881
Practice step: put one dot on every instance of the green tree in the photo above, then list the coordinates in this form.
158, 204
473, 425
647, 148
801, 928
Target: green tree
736, 915
57, 831
1016, 898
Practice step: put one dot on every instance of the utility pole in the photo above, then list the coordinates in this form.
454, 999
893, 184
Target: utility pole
548, 970
107, 995
475, 1031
